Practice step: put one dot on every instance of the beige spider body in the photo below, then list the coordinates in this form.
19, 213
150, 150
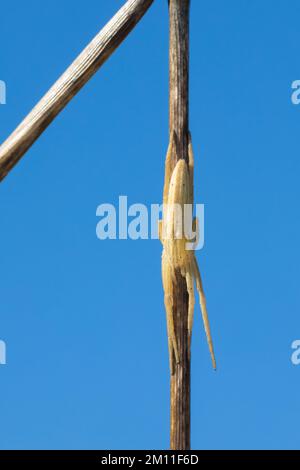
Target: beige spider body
178, 254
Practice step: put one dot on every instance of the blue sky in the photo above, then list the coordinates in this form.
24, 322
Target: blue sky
83, 319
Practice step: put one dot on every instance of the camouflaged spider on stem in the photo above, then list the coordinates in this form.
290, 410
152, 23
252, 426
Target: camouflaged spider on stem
178, 253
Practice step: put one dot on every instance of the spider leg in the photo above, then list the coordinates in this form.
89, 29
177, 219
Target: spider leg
171, 331
171, 357
191, 169
168, 298
190, 289
196, 230
204, 310
168, 168
160, 230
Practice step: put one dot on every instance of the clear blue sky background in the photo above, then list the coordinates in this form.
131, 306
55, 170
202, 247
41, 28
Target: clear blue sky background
83, 319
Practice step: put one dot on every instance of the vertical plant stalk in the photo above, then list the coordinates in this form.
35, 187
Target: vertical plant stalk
179, 127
